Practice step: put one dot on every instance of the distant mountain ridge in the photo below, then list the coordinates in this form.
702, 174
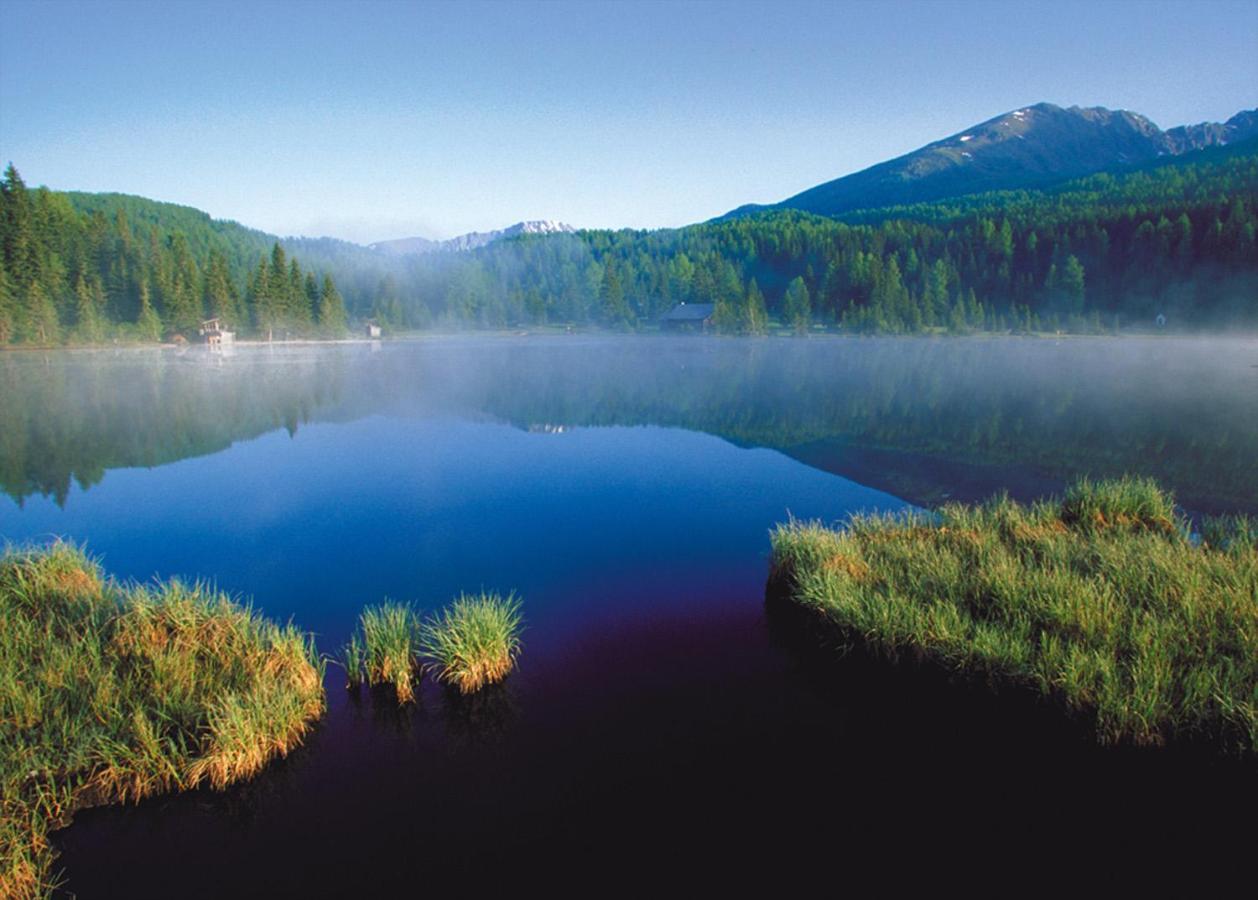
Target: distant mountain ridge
1030, 147
471, 241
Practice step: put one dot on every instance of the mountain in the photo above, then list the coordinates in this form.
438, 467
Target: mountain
1213, 134
406, 246
1028, 148
414, 245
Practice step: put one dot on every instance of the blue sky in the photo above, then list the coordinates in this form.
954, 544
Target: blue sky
377, 120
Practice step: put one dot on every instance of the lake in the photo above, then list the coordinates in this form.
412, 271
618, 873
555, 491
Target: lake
665, 716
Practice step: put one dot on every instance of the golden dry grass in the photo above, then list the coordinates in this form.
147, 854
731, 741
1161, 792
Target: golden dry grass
112, 693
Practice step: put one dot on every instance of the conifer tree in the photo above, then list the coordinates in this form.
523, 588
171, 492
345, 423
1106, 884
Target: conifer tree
755, 316
148, 325
181, 296
278, 273
264, 300
331, 310
957, 317
310, 288
973, 310
17, 229
42, 325
8, 307
87, 319
796, 306
612, 297
1072, 284
299, 309
725, 316
221, 299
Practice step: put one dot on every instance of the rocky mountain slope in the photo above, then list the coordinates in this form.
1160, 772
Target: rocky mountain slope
1027, 148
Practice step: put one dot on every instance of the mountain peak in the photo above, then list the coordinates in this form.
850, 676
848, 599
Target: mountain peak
471, 240
542, 226
1029, 147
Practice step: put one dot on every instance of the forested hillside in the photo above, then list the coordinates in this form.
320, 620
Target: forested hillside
1176, 240
83, 268
1173, 241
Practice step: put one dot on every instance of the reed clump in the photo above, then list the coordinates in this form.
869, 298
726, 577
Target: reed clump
110, 693
386, 649
474, 641
1103, 600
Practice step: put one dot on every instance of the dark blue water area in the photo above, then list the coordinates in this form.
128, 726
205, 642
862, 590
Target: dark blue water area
672, 723
594, 527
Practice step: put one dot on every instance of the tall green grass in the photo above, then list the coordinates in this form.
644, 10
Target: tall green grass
386, 649
1103, 600
1126, 502
111, 693
475, 641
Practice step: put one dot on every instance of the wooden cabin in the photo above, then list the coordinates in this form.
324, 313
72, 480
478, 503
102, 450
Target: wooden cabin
688, 317
215, 334
373, 331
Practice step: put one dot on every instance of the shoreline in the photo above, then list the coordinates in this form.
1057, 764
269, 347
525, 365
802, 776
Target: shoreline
551, 331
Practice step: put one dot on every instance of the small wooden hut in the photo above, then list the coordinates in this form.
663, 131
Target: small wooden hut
688, 317
215, 334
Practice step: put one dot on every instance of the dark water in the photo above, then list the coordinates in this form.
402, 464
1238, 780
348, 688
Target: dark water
667, 721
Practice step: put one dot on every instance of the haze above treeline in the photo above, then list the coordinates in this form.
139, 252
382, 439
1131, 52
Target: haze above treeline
1041, 218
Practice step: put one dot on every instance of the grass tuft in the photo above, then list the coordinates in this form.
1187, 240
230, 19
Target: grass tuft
110, 693
475, 641
388, 650
1127, 502
1100, 600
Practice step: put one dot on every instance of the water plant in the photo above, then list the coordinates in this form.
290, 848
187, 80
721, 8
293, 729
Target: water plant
353, 660
112, 692
1101, 600
388, 652
474, 641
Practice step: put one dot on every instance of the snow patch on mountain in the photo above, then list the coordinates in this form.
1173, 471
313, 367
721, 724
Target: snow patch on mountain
471, 240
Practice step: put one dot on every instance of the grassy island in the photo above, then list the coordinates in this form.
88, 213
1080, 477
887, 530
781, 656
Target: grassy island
474, 641
1102, 601
110, 693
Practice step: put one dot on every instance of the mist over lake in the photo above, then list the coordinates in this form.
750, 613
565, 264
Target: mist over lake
314, 478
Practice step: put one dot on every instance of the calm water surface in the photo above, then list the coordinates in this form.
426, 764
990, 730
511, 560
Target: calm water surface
665, 718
